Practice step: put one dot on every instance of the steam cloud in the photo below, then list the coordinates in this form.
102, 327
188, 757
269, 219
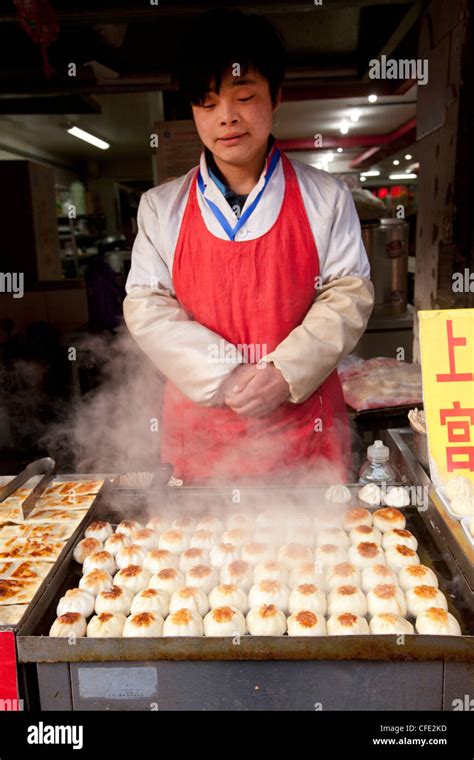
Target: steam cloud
111, 428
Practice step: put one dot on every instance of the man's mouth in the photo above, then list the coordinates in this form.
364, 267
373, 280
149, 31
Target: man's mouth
232, 139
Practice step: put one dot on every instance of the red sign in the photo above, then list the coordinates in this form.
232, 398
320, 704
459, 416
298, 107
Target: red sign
8, 677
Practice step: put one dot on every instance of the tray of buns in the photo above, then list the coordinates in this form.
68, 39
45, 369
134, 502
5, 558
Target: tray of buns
333, 572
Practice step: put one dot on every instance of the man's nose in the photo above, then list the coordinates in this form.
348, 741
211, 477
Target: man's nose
228, 114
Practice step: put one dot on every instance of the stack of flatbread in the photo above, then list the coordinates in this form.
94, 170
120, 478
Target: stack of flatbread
30, 546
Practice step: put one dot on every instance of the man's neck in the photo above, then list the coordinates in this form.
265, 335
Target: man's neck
242, 179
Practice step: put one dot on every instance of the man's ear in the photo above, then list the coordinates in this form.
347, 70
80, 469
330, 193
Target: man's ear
277, 101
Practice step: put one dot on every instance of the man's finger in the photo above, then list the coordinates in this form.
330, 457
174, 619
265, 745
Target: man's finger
238, 380
241, 385
243, 379
243, 396
242, 374
241, 399
252, 409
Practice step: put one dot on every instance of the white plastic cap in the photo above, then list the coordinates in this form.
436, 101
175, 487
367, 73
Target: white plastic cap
378, 452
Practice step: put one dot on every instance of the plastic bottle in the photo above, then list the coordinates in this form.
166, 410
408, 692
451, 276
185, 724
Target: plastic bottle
377, 469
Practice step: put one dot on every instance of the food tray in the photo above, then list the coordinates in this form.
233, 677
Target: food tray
68, 544
441, 491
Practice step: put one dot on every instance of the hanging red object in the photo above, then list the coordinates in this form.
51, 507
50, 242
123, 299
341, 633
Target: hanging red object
38, 19
8, 673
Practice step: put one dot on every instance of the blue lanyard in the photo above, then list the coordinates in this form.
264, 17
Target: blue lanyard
232, 232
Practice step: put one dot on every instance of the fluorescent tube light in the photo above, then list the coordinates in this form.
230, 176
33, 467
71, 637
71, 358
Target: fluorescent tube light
403, 176
88, 138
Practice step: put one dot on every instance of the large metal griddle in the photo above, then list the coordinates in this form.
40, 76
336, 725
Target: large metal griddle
438, 549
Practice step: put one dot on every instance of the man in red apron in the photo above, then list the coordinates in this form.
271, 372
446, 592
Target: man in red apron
249, 280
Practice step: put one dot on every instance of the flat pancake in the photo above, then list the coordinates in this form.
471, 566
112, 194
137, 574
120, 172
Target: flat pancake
11, 614
24, 570
56, 515
73, 501
21, 493
73, 486
41, 551
13, 591
5, 568
43, 531
11, 514
12, 501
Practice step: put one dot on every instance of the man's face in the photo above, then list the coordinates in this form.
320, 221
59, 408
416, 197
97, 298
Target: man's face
234, 124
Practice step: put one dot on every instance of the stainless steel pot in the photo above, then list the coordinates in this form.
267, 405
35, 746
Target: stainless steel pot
386, 243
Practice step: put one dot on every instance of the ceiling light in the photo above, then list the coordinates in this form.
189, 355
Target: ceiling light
88, 138
339, 150
372, 98
362, 179
396, 162
408, 157
344, 127
356, 113
403, 176
371, 173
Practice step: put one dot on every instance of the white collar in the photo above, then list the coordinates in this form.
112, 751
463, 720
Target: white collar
213, 193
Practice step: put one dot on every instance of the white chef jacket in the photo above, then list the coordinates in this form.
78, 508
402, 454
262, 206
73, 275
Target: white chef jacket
179, 346
328, 202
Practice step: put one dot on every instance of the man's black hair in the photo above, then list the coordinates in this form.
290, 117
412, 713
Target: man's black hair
221, 38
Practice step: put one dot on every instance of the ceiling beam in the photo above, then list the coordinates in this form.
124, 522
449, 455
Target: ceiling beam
364, 157
399, 138
348, 141
324, 90
31, 156
27, 88
292, 90
40, 105
142, 12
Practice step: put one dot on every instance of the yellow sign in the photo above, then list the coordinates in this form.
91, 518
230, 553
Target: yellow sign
447, 363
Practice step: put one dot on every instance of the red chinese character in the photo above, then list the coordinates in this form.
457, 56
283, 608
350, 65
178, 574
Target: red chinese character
460, 464
458, 430
453, 376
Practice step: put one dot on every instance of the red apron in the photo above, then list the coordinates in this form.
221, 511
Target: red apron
253, 293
